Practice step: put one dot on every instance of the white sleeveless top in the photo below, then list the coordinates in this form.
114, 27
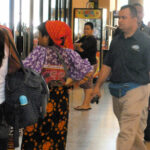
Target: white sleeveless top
3, 73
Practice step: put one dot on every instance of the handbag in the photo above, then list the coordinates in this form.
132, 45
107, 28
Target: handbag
23, 82
120, 89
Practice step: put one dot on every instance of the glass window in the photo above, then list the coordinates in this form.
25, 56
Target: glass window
53, 5
36, 15
146, 11
4, 15
67, 11
16, 14
121, 3
45, 10
59, 8
62, 10
25, 12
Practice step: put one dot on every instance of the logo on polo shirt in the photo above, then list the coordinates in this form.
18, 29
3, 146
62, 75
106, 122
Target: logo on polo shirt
136, 48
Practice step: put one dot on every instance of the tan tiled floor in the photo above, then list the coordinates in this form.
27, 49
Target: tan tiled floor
95, 129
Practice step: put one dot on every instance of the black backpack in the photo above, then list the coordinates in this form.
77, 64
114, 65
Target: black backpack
24, 82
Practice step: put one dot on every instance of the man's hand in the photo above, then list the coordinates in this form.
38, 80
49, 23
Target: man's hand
77, 46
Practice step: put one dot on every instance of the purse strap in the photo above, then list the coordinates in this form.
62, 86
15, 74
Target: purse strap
63, 63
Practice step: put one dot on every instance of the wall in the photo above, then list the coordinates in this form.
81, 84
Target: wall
105, 4
79, 3
112, 5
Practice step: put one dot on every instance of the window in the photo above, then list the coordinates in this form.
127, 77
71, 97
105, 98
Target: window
146, 11
53, 6
62, 10
4, 15
121, 3
25, 12
36, 15
45, 10
16, 14
67, 11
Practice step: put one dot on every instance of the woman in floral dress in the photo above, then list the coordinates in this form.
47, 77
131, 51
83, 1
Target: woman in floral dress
50, 133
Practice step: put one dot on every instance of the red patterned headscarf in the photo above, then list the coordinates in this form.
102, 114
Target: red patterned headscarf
60, 33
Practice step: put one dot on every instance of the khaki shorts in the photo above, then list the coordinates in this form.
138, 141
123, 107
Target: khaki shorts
89, 83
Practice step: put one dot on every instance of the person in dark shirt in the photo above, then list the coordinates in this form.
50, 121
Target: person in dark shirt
87, 48
140, 14
146, 30
129, 64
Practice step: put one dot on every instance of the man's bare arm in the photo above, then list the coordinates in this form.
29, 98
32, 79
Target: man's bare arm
103, 75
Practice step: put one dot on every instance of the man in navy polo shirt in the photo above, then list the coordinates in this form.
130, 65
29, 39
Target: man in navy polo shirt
145, 29
128, 61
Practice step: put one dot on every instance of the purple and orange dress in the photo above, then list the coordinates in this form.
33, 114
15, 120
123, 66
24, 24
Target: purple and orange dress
50, 133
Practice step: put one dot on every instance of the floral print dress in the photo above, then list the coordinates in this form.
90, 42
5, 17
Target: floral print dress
50, 133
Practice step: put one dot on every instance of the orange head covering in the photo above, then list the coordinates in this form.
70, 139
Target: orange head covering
60, 33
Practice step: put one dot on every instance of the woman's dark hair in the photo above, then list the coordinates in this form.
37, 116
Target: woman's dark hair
2, 43
43, 31
89, 24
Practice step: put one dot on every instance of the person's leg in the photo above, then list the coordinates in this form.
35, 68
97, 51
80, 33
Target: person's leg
87, 98
138, 142
131, 107
3, 144
147, 130
116, 107
50, 132
88, 89
3, 141
61, 123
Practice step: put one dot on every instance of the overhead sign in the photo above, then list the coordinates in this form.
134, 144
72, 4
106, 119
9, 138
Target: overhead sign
88, 14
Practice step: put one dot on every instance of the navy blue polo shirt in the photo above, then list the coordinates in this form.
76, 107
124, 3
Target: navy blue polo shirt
129, 58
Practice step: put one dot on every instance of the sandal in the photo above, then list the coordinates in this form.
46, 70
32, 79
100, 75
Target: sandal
79, 108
